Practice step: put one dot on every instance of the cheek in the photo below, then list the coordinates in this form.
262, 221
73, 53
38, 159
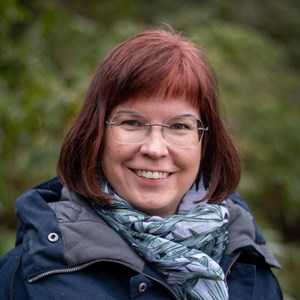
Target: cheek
114, 155
192, 164
192, 159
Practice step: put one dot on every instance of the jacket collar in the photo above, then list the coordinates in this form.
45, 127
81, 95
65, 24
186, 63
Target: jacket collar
78, 222
39, 234
58, 229
244, 234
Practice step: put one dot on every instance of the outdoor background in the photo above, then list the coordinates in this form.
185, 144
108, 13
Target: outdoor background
49, 51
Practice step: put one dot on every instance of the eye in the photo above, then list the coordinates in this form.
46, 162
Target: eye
183, 124
179, 126
131, 123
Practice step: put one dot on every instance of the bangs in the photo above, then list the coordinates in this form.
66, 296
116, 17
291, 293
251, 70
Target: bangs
165, 70
173, 83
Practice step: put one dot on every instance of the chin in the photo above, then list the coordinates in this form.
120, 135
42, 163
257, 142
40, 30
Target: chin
156, 211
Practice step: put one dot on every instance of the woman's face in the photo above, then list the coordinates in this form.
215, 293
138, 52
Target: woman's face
130, 168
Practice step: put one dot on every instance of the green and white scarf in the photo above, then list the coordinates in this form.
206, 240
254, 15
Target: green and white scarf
185, 248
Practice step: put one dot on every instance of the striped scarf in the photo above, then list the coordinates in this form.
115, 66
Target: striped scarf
185, 248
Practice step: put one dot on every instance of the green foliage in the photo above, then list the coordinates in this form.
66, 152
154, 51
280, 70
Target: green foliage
50, 49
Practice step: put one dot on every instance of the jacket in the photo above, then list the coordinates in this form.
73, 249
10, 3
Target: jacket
66, 251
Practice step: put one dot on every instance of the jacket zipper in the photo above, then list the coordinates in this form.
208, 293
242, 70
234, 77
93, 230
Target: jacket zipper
81, 267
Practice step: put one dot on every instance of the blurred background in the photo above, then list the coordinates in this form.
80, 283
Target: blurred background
49, 51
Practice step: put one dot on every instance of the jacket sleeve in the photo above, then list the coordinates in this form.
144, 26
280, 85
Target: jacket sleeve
11, 279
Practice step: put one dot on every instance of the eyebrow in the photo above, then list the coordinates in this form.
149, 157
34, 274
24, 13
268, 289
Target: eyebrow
139, 114
128, 112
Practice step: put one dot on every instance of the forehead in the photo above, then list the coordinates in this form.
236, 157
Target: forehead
158, 107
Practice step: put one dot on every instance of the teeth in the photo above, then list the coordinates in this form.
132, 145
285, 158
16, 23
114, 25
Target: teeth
152, 175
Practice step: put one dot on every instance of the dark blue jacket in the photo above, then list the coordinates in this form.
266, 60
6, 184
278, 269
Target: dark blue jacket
65, 251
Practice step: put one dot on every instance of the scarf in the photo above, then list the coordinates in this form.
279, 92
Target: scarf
185, 248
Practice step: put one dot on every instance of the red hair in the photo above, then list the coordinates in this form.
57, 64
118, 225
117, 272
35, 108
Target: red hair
154, 63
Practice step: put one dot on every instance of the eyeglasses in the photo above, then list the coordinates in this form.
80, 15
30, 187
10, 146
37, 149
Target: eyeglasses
184, 131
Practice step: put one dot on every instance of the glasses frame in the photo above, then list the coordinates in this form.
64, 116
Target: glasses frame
149, 125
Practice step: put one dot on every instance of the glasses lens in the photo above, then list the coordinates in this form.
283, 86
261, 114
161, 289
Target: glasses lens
128, 128
182, 131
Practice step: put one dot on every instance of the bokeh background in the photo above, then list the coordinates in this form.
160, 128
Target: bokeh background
50, 49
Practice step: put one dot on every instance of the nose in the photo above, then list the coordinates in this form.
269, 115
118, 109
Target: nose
155, 145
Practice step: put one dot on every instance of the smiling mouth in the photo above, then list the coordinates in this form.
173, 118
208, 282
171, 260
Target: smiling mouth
152, 175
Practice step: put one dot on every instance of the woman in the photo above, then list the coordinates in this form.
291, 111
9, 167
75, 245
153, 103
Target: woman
144, 207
